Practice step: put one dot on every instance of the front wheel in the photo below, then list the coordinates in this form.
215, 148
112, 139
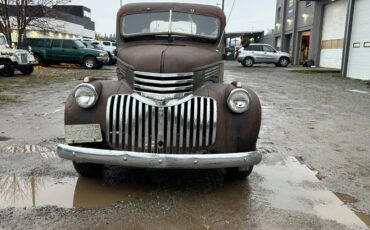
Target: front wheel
27, 70
88, 169
8, 70
283, 62
238, 173
248, 62
90, 63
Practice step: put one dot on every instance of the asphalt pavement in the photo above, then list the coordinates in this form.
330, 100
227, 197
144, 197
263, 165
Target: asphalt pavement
314, 174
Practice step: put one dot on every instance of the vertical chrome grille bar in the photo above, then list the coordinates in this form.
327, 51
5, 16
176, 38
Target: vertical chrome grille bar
182, 123
114, 128
201, 122
188, 124
108, 119
160, 132
146, 127
133, 124
169, 127
208, 118
122, 102
195, 124
214, 121
174, 135
153, 130
127, 121
140, 127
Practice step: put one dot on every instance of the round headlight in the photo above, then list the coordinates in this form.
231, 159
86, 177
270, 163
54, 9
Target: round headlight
85, 95
239, 100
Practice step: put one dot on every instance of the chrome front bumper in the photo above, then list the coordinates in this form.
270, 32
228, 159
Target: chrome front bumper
153, 160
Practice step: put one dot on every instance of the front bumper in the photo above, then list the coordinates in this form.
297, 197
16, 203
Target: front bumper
153, 160
102, 59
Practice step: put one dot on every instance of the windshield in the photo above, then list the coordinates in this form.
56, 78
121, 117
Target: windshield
79, 44
2, 40
179, 24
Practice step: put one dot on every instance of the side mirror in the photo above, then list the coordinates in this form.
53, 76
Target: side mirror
29, 48
75, 47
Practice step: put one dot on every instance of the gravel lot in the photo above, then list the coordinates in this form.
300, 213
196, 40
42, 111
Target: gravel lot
314, 174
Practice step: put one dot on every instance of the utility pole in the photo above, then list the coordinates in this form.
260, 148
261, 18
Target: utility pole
120, 3
223, 5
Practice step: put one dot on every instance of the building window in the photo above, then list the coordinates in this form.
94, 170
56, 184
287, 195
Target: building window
279, 13
308, 3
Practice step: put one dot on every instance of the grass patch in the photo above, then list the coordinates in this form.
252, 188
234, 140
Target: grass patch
6, 99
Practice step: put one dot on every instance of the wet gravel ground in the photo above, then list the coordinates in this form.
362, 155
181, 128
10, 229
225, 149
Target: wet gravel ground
314, 175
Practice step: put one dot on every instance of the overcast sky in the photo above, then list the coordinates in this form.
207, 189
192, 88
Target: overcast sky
248, 15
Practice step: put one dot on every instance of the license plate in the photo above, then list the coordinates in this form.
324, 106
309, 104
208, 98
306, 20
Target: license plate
83, 133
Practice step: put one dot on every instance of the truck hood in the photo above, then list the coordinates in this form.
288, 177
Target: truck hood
167, 58
9, 51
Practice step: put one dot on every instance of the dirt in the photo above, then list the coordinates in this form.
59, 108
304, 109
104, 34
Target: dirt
314, 173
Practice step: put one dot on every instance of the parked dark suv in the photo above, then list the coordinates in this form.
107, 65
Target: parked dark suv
54, 51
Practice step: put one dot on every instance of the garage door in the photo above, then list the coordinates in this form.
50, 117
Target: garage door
359, 55
333, 30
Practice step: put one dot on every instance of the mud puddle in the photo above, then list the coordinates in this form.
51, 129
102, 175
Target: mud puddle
290, 185
285, 185
44, 151
80, 192
2, 138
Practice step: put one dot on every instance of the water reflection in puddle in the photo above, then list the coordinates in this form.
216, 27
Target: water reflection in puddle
286, 185
44, 151
67, 192
293, 186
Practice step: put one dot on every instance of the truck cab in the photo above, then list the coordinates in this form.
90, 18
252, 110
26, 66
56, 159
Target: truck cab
169, 107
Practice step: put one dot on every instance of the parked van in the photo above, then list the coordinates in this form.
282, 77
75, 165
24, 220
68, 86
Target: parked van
54, 51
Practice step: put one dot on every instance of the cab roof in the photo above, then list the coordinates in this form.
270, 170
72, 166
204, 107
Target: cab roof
166, 6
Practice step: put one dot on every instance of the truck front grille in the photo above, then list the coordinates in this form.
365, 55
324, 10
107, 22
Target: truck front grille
163, 83
189, 127
23, 58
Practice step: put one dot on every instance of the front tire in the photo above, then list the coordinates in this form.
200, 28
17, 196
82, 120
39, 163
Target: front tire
90, 63
283, 62
88, 169
248, 62
27, 70
238, 173
8, 70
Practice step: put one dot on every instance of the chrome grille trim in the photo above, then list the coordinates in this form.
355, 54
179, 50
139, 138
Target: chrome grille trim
189, 127
169, 84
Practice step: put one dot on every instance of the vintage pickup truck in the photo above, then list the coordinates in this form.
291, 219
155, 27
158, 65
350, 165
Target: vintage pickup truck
168, 108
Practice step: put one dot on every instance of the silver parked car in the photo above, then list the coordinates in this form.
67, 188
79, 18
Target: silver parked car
262, 53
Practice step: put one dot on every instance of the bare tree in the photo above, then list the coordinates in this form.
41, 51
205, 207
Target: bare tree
18, 15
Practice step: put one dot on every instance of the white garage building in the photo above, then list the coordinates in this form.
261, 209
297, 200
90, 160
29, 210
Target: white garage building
332, 36
345, 37
358, 65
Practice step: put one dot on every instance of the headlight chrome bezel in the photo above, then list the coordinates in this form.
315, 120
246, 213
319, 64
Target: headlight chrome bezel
232, 94
93, 91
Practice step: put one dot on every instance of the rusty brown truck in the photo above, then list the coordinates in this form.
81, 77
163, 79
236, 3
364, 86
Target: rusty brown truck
169, 107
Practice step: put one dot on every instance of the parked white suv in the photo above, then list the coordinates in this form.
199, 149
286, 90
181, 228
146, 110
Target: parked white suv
110, 47
262, 53
107, 46
14, 59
